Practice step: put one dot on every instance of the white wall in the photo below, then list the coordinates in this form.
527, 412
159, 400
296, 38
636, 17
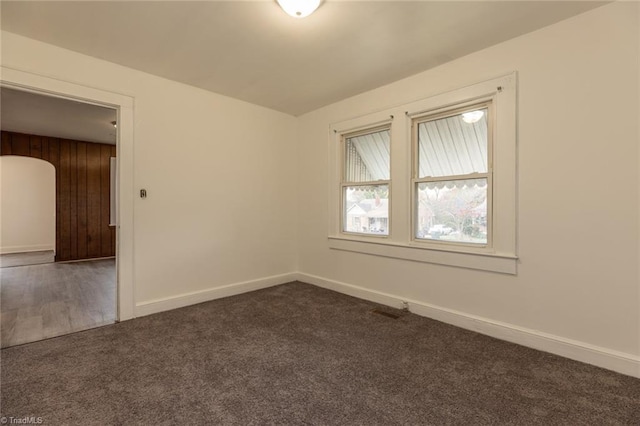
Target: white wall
221, 205
578, 233
28, 200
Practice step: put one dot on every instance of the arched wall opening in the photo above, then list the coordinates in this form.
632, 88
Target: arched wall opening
28, 199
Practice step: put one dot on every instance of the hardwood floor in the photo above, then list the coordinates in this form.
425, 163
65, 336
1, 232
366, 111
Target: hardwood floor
42, 301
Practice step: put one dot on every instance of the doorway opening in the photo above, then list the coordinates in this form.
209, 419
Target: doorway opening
79, 289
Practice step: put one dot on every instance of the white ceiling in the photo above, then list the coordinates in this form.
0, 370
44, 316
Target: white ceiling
252, 50
35, 114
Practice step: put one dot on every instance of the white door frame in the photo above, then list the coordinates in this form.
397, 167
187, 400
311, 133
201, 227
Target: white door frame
123, 104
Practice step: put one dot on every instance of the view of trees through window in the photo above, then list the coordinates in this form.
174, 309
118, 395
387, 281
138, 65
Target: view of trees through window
453, 211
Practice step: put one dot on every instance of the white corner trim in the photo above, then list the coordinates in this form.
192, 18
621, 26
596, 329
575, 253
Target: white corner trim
620, 362
166, 304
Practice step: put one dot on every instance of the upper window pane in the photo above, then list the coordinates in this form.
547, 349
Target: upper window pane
367, 157
454, 145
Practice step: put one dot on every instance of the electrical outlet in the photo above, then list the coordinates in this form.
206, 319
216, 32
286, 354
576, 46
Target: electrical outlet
405, 306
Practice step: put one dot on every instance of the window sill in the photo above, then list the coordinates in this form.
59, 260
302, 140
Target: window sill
502, 263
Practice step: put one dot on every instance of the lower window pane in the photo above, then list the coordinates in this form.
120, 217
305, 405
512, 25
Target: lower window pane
366, 209
454, 211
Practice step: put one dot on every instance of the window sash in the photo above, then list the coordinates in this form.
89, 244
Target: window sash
415, 173
343, 150
451, 177
450, 112
345, 183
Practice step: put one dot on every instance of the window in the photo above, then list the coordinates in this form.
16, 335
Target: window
443, 192
365, 182
452, 176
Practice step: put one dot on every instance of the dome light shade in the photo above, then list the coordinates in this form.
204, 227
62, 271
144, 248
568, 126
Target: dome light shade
299, 8
472, 116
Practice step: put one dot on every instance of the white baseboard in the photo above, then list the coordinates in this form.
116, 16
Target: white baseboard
580, 351
186, 299
26, 249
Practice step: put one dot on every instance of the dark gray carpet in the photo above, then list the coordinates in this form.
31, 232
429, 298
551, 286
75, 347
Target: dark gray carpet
298, 354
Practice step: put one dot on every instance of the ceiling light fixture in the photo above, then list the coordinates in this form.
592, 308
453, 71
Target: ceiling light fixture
472, 116
299, 8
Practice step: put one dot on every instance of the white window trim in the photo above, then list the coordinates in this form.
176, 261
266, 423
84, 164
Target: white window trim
501, 255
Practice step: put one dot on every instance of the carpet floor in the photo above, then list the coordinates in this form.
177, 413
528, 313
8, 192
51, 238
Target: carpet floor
298, 354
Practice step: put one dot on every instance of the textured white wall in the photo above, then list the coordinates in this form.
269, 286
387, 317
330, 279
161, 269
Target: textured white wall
219, 173
578, 186
28, 200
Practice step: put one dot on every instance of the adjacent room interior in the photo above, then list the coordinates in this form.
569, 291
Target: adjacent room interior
380, 213
58, 241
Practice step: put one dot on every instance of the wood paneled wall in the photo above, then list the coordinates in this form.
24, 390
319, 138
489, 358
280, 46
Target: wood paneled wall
82, 191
